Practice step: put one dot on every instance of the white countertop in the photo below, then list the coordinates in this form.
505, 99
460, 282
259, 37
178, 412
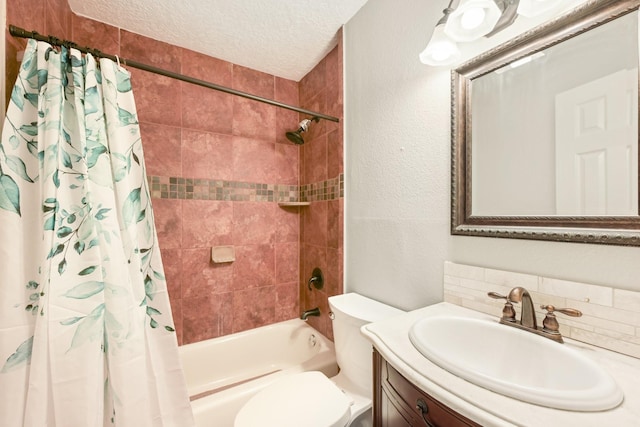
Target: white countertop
391, 338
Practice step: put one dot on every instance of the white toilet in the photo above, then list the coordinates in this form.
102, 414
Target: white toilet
310, 399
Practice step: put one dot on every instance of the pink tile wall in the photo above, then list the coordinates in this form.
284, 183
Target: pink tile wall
194, 132
322, 159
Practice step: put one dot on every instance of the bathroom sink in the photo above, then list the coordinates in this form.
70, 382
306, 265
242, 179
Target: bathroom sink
515, 363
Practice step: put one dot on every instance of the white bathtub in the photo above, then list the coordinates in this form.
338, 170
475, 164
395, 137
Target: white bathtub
223, 373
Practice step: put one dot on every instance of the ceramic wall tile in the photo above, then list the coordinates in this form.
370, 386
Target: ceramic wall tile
253, 223
287, 262
206, 155
206, 223
287, 304
206, 109
207, 68
207, 317
286, 91
287, 225
254, 266
511, 279
626, 300
157, 98
255, 306
315, 160
150, 52
27, 14
254, 119
316, 103
253, 82
253, 160
202, 277
58, 19
315, 224
162, 149
579, 291
104, 37
168, 221
335, 150
333, 67
315, 256
314, 82
286, 121
333, 273
287, 163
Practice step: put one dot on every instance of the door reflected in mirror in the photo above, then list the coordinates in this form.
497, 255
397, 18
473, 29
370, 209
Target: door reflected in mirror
556, 132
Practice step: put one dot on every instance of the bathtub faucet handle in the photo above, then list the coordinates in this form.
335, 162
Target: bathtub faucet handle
317, 280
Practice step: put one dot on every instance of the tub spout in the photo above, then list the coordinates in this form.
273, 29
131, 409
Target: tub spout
312, 312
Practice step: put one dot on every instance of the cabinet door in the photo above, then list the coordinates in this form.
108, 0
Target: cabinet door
397, 402
391, 416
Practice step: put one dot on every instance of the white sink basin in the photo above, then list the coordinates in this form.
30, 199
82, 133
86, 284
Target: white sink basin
515, 363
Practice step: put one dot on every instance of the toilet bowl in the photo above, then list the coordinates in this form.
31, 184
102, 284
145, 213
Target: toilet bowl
311, 399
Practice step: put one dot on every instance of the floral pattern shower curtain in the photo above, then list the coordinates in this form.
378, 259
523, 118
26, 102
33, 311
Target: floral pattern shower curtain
86, 335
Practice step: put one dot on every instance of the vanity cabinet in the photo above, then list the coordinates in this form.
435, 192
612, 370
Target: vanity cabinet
398, 403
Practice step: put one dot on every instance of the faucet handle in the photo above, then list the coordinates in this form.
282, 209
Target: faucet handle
317, 279
496, 295
550, 324
508, 312
568, 311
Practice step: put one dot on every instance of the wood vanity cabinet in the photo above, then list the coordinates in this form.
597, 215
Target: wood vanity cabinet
398, 403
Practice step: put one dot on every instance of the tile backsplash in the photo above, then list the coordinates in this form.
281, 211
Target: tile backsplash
610, 317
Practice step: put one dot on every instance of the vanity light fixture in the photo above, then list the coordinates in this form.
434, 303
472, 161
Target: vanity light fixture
441, 50
469, 20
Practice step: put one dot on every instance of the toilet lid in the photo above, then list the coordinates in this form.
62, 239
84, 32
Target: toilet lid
307, 399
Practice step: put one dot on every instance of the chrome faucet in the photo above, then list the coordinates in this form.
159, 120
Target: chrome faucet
528, 320
312, 312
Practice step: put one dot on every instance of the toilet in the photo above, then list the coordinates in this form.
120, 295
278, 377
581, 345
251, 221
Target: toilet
311, 399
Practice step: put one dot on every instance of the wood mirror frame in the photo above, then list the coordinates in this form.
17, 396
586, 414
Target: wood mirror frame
613, 230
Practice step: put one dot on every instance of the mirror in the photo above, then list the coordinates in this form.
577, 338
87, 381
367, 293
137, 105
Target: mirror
545, 132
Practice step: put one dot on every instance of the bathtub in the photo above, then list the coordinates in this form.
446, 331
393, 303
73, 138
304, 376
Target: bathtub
223, 373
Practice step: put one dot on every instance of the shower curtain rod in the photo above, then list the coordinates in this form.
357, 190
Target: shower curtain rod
22, 33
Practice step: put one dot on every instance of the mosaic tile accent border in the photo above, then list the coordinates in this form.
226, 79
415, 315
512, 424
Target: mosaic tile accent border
330, 189
610, 317
164, 187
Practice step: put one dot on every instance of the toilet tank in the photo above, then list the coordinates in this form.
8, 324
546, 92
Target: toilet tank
353, 352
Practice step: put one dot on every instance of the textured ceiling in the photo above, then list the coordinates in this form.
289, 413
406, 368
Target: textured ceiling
286, 38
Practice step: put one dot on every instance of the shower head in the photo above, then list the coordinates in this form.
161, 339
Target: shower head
295, 137
303, 126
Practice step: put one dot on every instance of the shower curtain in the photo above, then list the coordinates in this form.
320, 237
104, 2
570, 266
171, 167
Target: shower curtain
86, 335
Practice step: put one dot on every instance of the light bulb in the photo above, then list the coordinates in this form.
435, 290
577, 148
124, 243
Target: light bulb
472, 18
440, 50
